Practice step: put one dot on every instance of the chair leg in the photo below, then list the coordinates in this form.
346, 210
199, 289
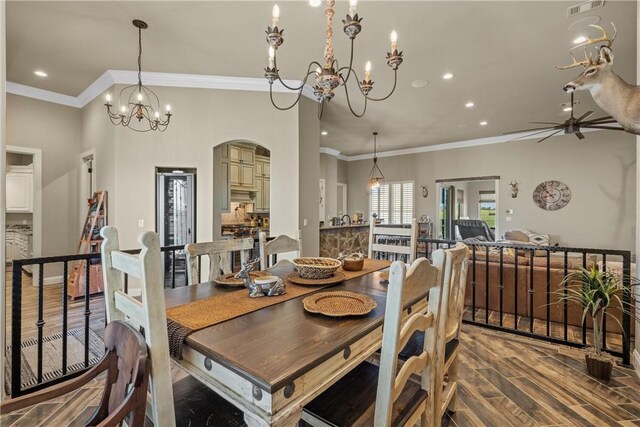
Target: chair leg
453, 380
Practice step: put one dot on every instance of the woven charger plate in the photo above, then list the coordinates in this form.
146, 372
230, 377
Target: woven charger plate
230, 280
337, 277
339, 303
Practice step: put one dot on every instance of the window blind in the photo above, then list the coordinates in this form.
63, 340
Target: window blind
393, 202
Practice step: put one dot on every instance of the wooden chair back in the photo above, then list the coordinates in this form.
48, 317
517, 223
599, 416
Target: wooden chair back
147, 314
281, 244
454, 277
220, 254
125, 384
410, 233
404, 288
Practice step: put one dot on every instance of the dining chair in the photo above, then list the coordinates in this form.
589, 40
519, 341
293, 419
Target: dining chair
385, 395
390, 242
125, 384
454, 276
220, 254
188, 400
281, 244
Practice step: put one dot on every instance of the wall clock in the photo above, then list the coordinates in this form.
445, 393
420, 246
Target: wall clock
551, 195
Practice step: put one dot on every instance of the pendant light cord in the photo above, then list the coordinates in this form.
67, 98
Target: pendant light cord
140, 58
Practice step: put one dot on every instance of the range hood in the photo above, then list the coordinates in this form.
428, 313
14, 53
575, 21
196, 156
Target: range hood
243, 196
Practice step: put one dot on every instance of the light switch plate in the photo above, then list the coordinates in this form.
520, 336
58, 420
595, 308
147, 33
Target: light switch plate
508, 219
140, 223
509, 211
305, 222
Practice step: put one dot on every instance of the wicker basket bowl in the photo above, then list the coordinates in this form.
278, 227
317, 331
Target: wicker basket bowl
316, 267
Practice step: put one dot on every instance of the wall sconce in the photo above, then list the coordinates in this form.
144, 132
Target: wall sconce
425, 191
514, 189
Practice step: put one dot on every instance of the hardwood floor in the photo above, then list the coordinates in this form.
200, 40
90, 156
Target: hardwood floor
505, 379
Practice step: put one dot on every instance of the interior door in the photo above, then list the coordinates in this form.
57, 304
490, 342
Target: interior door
447, 211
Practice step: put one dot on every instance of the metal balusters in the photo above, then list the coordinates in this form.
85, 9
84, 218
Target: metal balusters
584, 324
548, 293
626, 315
87, 311
531, 289
16, 329
566, 308
473, 285
486, 285
40, 322
501, 284
173, 269
126, 283
515, 292
65, 284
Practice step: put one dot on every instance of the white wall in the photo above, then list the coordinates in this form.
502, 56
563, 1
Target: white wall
126, 160
329, 172
308, 168
636, 358
600, 172
3, 144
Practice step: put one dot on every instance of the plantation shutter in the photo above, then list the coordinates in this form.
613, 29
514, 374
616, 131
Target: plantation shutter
383, 211
407, 202
396, 204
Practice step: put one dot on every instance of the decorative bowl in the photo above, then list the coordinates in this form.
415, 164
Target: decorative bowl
316, 267
353, 262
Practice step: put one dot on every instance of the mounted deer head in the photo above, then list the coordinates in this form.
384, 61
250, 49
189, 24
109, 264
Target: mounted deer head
615, 96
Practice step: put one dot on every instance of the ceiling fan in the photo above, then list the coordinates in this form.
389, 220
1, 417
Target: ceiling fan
570, 126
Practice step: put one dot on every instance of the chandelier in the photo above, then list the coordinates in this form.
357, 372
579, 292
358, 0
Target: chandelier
138, 101
376, 178
329, 75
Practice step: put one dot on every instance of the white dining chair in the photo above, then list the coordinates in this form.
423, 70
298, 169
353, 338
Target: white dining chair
281, 244
447, 373
220, 254
369, 394
170, 404
387, 249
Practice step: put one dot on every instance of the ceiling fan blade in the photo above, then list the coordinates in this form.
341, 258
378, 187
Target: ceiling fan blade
549, 136
584, 116
530, 135
529, 130
602, 127
546, 123
607, 119
580, 135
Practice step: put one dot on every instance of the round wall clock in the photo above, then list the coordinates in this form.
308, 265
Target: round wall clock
551, 195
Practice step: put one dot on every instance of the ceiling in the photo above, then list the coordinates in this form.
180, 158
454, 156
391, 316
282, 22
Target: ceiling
502, 55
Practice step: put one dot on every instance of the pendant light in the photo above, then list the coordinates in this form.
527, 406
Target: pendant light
376, 178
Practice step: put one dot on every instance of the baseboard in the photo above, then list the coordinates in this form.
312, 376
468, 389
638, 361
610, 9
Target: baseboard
636, 361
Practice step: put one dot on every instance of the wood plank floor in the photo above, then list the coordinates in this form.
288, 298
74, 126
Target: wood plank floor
506, 380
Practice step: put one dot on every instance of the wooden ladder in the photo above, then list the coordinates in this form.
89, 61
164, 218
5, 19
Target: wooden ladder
90, 242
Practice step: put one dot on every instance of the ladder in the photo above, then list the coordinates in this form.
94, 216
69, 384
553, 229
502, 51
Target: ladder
90, 242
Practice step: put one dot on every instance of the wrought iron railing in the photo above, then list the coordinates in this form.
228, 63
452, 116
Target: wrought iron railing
172, 257
498, 272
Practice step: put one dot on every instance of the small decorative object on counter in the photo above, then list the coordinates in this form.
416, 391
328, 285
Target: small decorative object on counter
272, 285
353, 262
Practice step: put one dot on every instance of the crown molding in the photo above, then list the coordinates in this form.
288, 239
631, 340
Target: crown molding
198, 81
516, 137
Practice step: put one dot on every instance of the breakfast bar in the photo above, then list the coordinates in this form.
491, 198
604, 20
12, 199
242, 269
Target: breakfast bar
344, 238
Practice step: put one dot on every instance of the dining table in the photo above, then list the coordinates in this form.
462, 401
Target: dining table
270, 362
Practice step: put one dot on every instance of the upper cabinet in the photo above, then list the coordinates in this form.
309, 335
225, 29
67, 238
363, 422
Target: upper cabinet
242, 166
263, 182
19, 189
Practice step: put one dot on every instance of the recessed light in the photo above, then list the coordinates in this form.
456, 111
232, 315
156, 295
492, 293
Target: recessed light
40, 73
469, 104
419, 83
324, 132
567, 109
447, 76
483, 123
580, 39
315, 3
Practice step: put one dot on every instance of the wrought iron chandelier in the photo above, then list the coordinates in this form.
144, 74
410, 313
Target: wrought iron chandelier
138, 101
329, 76
376, 178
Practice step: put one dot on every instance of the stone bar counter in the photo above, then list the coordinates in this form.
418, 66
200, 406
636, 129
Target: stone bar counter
344, 238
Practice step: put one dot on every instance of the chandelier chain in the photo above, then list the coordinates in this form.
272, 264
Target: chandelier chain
328, 51
139, 57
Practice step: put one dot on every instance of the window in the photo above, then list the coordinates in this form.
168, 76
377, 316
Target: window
487, 208
393, 202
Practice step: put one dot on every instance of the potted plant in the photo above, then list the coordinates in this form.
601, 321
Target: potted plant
595, 291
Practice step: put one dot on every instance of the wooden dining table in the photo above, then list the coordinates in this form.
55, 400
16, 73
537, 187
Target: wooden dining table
271, 362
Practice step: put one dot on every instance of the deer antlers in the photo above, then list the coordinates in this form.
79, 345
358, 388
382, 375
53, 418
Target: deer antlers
588, 59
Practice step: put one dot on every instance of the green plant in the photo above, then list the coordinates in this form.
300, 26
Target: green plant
595, 290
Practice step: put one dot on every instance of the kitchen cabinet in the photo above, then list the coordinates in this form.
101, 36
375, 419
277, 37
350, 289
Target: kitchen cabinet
242, 166
263, 182
19, 189
225, 190
18, 245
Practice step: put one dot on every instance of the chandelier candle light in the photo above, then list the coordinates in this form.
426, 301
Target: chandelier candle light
376, 178
329, 75
138, 101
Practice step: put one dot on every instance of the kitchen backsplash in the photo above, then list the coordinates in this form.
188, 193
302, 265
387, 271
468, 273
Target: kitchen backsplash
239, 215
